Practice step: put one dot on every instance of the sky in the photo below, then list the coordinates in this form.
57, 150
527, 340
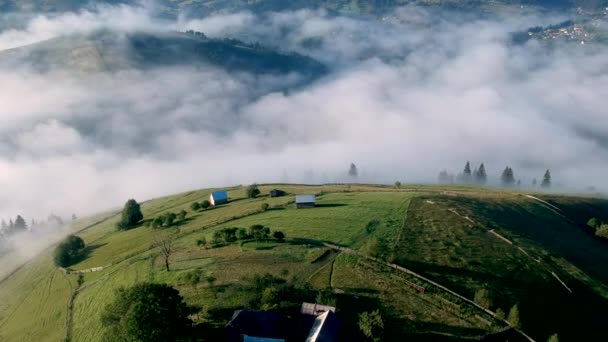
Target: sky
404, 98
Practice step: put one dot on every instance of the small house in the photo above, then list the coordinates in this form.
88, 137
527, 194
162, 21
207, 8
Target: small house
252, 325
326, 328
305, 201
277, 193
218, 197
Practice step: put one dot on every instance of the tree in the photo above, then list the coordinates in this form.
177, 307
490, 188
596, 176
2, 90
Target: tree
500, 314
371, 325
482, 297
258, 231
147, 312
20, 224
74, 217
508, 177
253, 191
278, 235
195, 206
182, 215
481, 177
602, 231
169, 219
131, 215
352, 171
546, 183
594, 223
513, 317
68, 251
265, 206
553, 338
205, 204
164, 241
466, 174
444, 177
534, 182
241, 234
397, 184
202, 242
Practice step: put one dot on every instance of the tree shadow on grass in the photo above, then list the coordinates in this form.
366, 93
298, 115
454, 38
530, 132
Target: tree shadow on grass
330, 205
85, 253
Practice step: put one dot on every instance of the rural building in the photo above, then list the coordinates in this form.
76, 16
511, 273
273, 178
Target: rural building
252, 325
266, 326
218, 197
277, 193
315, 309
305, 201
326, 328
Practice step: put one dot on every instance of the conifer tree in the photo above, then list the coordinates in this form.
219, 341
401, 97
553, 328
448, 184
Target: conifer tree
466, 174
508, 177
546, 180
481, 177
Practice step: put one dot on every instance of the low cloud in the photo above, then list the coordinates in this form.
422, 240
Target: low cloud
405, 97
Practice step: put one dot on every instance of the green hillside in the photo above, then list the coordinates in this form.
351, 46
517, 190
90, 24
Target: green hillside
521, 249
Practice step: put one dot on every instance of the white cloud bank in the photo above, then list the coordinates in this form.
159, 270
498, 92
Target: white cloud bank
404, 99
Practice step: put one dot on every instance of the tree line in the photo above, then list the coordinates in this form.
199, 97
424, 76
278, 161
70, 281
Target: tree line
479, 176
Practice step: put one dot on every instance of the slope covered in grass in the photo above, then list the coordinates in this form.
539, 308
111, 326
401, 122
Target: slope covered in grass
467, 239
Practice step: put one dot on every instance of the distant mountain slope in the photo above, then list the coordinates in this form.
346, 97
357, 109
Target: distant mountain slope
106, 51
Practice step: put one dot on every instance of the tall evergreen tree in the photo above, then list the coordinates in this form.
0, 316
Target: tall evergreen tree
481, 177
444, 177
508, 177
352, 171
546, 180
20, 224
4, 225
466, 174
534, 182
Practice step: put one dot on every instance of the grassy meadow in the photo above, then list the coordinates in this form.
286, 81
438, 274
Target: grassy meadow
464, 238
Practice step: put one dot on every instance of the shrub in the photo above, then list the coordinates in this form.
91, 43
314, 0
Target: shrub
513, 318
253, 191
241, 234
258, 231
371, 325
500, 314
602, 231
594, 223
195, 206
265, 206
182, 215
482, 297
202, 242
205, 204
278, 235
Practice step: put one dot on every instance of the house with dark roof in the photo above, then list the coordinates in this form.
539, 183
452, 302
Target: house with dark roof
305, 201
218, 197
277, 193
253, 325
316, 323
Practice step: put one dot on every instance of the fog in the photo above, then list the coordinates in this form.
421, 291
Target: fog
405, 98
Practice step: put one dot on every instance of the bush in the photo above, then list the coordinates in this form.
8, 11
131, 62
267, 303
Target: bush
482, 297
205, 204
69, 251
265, 206
513, 318
278, 235
258, 231
602, 231
594, 223
202, 242
253, 191
241, 234
195, 206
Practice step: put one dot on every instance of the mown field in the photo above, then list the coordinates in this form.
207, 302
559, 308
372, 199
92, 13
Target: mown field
464, 238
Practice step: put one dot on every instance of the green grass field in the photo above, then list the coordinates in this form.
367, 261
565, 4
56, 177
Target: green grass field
461, 237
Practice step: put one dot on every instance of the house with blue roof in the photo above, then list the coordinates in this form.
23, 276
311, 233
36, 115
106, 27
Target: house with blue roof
218, 197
